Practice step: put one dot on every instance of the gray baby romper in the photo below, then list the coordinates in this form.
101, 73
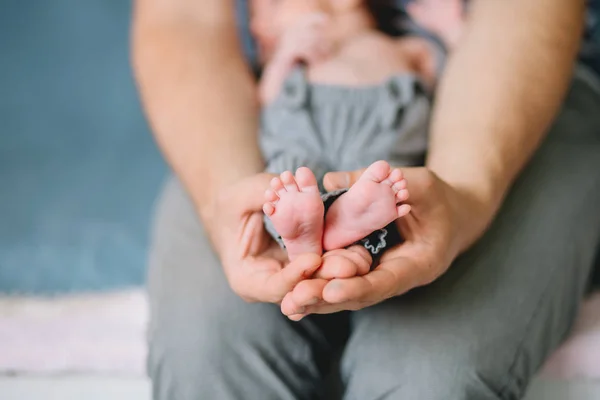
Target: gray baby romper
338, 128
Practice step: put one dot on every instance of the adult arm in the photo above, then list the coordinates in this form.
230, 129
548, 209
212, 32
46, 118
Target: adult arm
198, 93
502, 89
201, 102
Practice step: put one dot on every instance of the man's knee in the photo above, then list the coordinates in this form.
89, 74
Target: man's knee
433, 378
434, 362
460, 380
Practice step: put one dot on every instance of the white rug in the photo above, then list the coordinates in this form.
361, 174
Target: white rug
105, 334
101, 333
579, 356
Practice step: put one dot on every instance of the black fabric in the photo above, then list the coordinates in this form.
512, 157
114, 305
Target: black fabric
378, 241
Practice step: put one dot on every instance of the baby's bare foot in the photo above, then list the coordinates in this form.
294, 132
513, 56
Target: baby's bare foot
295, 207
370, 204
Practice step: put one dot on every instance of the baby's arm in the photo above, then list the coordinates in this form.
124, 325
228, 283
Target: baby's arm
304, 42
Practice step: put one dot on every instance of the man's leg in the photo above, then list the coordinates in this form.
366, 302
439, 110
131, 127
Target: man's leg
487, 325
205, 342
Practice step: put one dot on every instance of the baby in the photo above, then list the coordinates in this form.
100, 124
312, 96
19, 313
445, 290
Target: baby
337, 94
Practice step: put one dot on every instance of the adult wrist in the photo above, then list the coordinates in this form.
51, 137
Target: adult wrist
473, 210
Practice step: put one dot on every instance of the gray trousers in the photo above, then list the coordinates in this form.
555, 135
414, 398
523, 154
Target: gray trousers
478, 332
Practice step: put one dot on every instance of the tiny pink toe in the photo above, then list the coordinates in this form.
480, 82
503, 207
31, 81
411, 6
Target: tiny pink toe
289, 182
398, 186
396, 175
306, 180
403, 210
378, 171
402, 195
277, 185
269, 209
271, 196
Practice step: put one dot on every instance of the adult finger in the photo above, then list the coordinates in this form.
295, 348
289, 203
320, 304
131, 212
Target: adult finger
389, 279
250, 239
359, 288
287, 278
341, 180
326, 308
288, 307
309, 292
306, 293
344, 263
249, 193
296, 311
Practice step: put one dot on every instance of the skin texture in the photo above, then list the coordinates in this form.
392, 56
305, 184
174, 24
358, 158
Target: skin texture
493, 108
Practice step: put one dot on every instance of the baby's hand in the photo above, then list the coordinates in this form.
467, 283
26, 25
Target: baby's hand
307, 40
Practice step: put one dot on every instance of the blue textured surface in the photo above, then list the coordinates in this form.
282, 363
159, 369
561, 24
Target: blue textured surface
78, 168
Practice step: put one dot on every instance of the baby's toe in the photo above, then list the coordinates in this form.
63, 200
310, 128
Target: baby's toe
378, 171
396, 175
398, 186
271, 196
403, 210
306, 180
277, 186
289, 182
402, 195
268, 209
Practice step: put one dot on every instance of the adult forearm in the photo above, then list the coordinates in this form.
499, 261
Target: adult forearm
502, 89
197, 92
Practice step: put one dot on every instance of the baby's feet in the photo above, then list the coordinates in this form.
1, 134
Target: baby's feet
370, 204
296, 210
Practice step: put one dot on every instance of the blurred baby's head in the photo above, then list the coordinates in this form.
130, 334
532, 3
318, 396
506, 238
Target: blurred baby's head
269, 18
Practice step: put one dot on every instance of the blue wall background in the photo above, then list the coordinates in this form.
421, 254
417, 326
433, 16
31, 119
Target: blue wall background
79, 170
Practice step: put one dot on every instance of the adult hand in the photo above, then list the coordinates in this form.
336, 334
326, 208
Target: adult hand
253, 263
434, 234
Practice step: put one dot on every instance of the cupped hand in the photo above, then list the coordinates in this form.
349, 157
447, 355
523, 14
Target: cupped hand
256, 267
432, 240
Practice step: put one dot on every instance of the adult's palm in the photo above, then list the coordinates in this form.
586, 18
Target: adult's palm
256, 267
432, 235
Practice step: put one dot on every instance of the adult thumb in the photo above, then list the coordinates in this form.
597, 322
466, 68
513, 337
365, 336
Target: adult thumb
249, 193
341, 179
